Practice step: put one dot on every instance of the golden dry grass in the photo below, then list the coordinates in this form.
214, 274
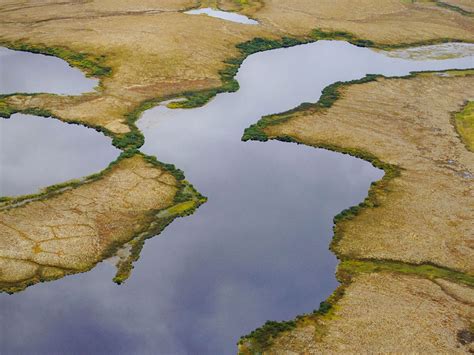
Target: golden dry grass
386, 21
71, 231
425, 215
389, 313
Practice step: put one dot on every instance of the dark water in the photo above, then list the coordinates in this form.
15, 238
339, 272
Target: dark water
36, 152
257, 250
28, 72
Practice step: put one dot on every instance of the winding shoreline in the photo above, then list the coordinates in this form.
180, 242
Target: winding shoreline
131, 141
262, 339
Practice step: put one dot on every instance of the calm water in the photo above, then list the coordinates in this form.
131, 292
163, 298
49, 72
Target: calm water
229, 16
257, 250
36, 152
28, 72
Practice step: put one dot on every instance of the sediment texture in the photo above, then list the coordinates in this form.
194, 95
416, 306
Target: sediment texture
72, 231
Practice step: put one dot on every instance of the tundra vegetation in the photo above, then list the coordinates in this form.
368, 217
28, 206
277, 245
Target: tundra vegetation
406, 251
402, 232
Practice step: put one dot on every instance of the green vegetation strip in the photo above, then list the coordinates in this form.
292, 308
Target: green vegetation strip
320, 34
7, 110
96, 66
260, 339
454, 8
464, 122
90, 64
47, 192
186, 201
127, 141
329, 95
229, 84
429, 271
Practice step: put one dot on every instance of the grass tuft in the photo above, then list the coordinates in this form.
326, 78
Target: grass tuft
464, 122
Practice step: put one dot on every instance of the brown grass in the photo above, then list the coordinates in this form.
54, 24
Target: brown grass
73, 230
388, 313
424, 215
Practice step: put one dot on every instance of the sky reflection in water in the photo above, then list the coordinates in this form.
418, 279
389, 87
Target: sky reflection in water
28, 73
257, 250
36, 152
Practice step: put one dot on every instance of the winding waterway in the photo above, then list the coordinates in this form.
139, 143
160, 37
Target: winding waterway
257, 250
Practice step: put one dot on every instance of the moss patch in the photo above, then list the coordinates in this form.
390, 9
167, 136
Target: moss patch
429, 271
464, 122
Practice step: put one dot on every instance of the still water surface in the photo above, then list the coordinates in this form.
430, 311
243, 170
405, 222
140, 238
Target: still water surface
257, 250
36, 152
32, 73
229, 16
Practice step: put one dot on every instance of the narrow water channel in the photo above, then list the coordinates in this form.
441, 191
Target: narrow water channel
257, 250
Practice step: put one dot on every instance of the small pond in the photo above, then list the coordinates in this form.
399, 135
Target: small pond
229, 16
31, 73
36, 152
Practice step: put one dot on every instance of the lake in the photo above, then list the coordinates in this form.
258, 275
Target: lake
256, 251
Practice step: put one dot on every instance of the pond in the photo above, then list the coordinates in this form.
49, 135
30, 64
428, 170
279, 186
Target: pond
22, 72
36, 152
229, 16
257, 250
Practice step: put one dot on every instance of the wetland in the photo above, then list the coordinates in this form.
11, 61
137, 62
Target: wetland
257, 250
